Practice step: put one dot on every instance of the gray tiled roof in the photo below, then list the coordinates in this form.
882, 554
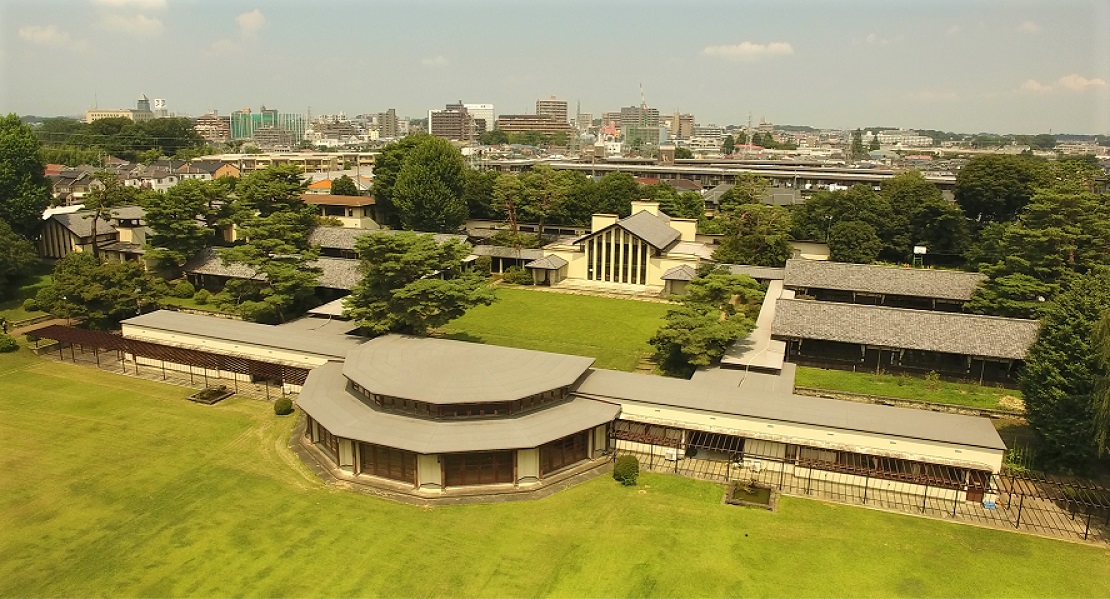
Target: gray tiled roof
245, 333
326, 398
343, 238
762, 273
949, 332
80, 223
501, 251
443, 371
888, 280
682, 272
655, 229
787, 407
335, 273
551, 262
128, 213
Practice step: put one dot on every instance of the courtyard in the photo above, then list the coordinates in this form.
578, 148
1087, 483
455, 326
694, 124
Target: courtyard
117, 486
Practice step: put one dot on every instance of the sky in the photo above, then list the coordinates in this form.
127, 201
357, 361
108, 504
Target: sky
969, 66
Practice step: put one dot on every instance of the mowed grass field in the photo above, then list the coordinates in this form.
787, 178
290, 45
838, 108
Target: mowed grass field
910, 387
113, 486
615, 331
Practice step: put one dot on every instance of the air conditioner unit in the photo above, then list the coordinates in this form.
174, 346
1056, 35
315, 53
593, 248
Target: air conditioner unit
753, 465
671, 455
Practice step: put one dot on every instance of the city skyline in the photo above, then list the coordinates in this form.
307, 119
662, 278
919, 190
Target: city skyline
1004, 67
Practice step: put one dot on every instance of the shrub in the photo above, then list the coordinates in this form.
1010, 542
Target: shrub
283, 406
7, 344
484, 265
518, 276
184, 289
626, 470
201, 297
30, 305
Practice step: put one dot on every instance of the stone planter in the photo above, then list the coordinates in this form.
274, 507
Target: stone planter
752, 494
211, 395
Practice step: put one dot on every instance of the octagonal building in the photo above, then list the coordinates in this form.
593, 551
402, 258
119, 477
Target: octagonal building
434, 416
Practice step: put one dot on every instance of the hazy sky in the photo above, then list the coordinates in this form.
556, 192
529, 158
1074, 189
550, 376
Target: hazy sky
1007, 67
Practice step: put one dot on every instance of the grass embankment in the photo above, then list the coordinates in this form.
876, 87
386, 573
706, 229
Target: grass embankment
113, 486
909, 387
615, 331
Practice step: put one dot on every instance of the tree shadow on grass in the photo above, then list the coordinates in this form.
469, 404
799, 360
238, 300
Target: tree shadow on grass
463, 336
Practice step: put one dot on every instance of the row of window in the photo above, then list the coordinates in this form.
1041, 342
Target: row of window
617, 256
464, 410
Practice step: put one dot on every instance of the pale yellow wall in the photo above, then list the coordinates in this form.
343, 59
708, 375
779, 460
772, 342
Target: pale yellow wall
649, 206
528, 465
600, 221
687, 228
810, 250
576, 262
428, 473
815, 436
346, 454
600, 441
278, 356
661, 264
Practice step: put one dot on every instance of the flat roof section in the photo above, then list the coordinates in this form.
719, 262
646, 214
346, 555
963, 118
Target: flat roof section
330, 345
900, 328
754, 401
326, 398
758, 351
442, 371
886, 280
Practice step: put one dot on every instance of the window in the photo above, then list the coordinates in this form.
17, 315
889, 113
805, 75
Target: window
564, 452
484, 468
387, 462
328, 441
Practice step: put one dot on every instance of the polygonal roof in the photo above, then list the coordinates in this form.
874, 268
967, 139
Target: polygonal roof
442, 371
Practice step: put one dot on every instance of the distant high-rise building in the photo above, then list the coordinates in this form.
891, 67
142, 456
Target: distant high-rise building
540, 123
552, 107
640, 126
143, 103
245, 123
213, 127
481, 112
388, 124
584, 120
456, 123
639, 116
682, 126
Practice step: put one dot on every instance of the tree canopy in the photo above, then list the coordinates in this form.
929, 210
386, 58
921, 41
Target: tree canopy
717, 310
428, 192
344, 186
23, 188
756, 234
1063, 369
183, 220
123, 137
412, 283
854, 241
17, 258
995, 187
273, 226
103, 293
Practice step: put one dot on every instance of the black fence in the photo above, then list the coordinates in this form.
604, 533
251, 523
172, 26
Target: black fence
1029, 502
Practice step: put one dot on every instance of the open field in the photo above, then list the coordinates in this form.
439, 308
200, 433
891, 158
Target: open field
615, 331
113, 486
908, 387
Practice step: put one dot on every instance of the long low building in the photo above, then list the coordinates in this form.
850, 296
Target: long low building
900, 287
433, 417
879, 337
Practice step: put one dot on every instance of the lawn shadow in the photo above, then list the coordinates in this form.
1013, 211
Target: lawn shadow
464, 336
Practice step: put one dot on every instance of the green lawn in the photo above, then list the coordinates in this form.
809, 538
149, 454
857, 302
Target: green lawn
615, 331
188, 302
112, 486
908, 387
11, 308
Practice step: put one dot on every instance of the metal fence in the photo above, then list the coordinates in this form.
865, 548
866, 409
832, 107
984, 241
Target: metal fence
1024, 501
